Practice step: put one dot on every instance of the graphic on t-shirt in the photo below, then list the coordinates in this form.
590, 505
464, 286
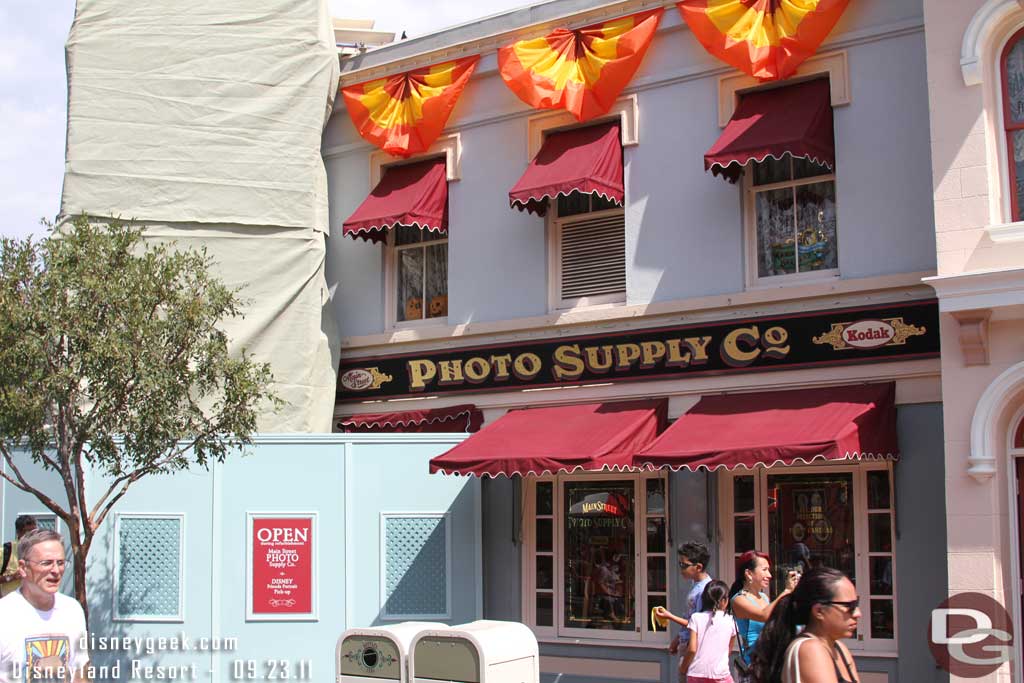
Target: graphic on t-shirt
47, 659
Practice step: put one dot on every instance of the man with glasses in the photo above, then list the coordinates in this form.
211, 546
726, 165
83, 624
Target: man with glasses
10, 575
41, 629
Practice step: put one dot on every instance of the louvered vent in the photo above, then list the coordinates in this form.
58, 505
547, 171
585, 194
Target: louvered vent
594, 256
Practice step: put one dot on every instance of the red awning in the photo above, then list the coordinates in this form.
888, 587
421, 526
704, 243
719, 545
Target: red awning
461, 418
411, 195
795, 119
587, 160
780, 427
593, 436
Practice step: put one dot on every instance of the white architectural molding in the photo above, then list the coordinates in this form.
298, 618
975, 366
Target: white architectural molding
835, 64
974, 335
985, 425
449, 145
980, 289
1006, 232
984, 23
626, 109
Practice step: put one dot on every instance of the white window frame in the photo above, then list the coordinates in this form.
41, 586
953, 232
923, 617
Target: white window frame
445, 518
641, 637
47, 514
755, 281
555, 225
116, 565
391, 284
864, 644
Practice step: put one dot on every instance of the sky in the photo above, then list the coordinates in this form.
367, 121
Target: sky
33, 89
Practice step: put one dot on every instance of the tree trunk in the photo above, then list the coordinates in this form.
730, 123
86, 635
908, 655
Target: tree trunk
80, 553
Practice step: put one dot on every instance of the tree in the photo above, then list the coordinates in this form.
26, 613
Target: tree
111, 361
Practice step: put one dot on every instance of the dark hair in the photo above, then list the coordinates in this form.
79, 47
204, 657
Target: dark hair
695, 552
768, 657
747, 560
23, 523
714, 593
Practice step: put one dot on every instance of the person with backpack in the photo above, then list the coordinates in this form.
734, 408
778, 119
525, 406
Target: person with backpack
10, 578
712, 636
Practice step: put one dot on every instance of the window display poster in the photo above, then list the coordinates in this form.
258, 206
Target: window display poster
282, 565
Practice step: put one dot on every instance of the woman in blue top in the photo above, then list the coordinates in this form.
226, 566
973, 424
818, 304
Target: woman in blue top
749, 599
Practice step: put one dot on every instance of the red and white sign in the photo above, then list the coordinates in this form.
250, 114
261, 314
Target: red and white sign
282, 579
869, 334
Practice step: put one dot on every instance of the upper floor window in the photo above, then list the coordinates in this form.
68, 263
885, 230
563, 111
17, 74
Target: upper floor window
589, 251
1012, 68
793, 207
418, 269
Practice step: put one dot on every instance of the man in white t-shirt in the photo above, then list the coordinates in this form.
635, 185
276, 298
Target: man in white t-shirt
41, 629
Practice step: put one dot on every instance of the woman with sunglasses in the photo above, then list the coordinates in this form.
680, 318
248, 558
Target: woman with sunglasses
825, 604
749, 601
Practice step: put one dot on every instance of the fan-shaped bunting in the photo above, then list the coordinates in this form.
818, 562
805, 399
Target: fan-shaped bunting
581, 71
767, 39
404, 114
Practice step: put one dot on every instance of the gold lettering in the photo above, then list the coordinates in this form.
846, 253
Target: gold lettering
451, 372
773, 340
699, 348
676, 357
568, 362
501, 363
420, 372
739, 348
476, 369
599, 366
526, 366
650, 353
627, 354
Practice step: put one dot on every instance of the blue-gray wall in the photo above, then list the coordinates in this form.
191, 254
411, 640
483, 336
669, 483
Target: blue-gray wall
684, 227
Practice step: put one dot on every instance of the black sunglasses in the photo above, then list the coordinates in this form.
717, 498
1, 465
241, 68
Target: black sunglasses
687, 565
848, 605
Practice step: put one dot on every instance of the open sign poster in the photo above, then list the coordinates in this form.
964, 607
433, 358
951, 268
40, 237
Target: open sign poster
282, 580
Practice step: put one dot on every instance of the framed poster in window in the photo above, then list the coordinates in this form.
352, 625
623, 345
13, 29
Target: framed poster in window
281, 576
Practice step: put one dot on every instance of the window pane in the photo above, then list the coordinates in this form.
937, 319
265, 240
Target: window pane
880, 533
812, 524
572, 204
410, 284
1015, 82
599, 549
407, 235
771, 171
775, 232
743, 494
656, 574
878, 490
656, 535
545, 572
652, 602
544, 498
743, 534
437, 280
545, 610
803, 168
881, 575
544, 527
881, 619
1018, 163
655, 496
816, 220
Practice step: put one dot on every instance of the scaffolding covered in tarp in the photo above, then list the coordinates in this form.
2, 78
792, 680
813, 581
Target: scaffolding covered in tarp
201, 123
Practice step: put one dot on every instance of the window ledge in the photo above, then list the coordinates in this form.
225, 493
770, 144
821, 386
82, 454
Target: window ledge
1006, 232
795, 280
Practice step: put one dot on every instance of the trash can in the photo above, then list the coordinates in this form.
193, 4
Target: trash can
478, 652
370, 655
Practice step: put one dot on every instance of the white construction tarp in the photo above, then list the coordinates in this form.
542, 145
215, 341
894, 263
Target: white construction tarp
201, 121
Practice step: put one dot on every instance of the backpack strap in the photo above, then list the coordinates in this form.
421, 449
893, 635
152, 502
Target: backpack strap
8, 551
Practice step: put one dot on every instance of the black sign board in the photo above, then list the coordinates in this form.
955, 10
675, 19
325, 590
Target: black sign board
836, 337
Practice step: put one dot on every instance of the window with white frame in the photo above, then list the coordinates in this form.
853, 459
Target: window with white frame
1012, 74
792, 219
596, 556
589, 251
418, 273
830, 515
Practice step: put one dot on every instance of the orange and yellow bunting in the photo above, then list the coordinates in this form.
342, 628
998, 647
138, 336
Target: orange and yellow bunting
767, 39
404, 114
581, 71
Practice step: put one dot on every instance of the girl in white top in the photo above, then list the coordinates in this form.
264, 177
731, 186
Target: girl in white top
825, 603
712, 635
